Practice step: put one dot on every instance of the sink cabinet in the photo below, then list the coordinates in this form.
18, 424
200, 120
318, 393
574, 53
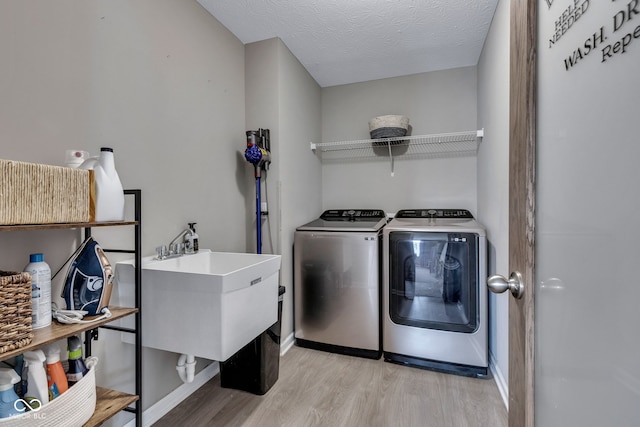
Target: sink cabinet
108, 402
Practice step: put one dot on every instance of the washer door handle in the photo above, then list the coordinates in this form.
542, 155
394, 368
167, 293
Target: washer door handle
499, 284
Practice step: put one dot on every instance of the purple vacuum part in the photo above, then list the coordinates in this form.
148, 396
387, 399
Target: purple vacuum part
253, 154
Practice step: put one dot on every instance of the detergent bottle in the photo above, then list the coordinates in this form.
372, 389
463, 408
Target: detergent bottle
109, 195
36, 378
56, 378
8, 396
40, 291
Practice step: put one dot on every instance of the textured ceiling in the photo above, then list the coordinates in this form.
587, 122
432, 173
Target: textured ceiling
348, 41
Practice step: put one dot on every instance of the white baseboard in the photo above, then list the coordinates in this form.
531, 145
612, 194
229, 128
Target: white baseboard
286, 344
173, 399
503, 387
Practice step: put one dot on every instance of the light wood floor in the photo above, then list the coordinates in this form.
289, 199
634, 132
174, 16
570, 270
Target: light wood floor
324, 389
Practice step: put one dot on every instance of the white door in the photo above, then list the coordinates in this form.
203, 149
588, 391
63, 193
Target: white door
587, 358
582, 224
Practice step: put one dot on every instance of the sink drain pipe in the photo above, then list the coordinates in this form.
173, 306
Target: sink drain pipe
186, 367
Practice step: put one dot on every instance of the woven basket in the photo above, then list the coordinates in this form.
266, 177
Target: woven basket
43, 194
15, 310
73, 408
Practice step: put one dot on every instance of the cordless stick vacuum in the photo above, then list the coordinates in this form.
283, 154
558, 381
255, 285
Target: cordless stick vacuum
258, 154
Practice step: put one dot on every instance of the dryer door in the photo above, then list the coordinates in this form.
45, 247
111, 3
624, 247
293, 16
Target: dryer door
433, 280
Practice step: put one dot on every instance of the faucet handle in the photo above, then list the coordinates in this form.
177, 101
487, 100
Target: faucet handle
162, 251
176, 249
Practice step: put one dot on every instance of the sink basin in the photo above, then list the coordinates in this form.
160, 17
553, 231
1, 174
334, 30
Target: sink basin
209, 304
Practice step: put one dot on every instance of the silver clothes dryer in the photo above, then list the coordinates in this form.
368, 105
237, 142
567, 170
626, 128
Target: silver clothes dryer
434, 304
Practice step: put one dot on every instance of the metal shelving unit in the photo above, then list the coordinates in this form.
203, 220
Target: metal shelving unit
421, 146
109, 402
136, 330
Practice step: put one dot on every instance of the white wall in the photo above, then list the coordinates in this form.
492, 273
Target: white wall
282, 97
493, 179
160, 81
301, 175
436, 102
262, 94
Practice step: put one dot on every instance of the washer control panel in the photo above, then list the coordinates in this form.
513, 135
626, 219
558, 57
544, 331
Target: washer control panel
353, 215
435, 213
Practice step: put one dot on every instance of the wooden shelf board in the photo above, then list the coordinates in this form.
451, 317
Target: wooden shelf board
26, 227
58, 331
109, 403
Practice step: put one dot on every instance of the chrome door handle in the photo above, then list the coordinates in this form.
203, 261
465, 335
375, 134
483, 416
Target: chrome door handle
499, 284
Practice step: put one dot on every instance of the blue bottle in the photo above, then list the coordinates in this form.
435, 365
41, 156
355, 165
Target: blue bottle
8, 396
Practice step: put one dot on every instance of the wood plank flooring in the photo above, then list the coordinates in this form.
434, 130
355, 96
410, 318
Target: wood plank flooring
329, 390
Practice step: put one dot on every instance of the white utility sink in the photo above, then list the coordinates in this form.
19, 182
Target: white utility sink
209, 304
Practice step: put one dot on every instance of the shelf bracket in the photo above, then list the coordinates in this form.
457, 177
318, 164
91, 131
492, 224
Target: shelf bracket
390, 157
481, 133
312, 146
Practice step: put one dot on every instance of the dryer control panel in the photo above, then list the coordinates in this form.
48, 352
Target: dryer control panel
352, 215
435, 213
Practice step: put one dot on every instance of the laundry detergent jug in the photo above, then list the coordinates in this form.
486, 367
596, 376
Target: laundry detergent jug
109, 195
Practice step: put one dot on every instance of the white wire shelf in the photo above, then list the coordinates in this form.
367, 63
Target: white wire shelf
421, 146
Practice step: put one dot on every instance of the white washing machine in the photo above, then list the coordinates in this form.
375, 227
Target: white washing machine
434, 304
337, 282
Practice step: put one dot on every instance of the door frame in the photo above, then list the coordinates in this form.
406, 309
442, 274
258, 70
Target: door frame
522, 165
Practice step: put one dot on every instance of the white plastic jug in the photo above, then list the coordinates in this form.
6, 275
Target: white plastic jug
74, 158
109, 192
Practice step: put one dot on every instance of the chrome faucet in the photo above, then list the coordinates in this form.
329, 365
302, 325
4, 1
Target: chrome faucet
175, 248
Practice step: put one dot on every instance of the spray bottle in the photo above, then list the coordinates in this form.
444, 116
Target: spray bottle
8, 397
56, 378
77, 369
36, 378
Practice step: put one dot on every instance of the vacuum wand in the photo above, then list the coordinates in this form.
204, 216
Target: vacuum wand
258, 154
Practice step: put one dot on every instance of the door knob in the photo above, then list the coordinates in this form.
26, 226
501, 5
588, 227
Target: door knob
499, 284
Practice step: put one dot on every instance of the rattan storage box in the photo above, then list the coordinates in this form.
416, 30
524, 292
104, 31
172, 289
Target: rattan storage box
33, 193
15, 310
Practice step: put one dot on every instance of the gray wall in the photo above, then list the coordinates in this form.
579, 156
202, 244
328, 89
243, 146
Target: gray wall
282, 97
436, 102
168, 87
160, 81
493, 179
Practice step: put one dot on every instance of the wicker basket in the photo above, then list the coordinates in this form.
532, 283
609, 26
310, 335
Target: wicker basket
73, 408
43, 194
15, 310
